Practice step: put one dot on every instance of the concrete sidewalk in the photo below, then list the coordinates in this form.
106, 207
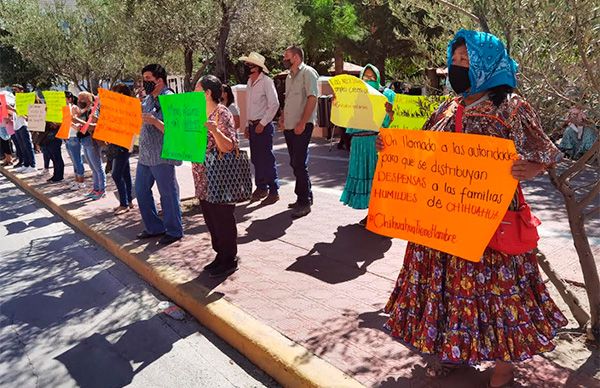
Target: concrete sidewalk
315, 287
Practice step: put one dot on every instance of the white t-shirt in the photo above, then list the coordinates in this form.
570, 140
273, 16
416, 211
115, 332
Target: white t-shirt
234, 109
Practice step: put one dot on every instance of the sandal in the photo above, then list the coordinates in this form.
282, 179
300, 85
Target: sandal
438, 369
121, 210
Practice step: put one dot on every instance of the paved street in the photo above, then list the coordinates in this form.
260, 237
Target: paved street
72, 315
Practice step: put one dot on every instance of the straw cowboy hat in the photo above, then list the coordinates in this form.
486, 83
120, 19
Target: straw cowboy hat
256, 59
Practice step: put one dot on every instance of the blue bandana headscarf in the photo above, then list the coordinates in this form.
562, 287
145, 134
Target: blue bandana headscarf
489, 63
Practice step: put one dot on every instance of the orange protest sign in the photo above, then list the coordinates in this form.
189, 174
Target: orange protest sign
120, 118
114, 135
3, 108
447, 191
65, 126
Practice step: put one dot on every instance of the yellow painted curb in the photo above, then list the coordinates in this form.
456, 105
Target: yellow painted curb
289, 363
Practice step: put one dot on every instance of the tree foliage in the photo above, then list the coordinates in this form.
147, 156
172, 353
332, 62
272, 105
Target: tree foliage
331, 26
85, 43
209, 34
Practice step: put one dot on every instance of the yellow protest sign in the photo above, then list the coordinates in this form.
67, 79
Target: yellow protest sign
120, 118
357, 105
22, 102
55, 100
447, 191
411, 112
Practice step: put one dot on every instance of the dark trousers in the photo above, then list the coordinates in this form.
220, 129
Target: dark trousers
220, 220
121, 174
18, 148
298, 149
46, 156
24, 141
56, 156
263, 159
5, 147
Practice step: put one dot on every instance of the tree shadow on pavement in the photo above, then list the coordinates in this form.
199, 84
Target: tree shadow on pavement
346, 258
14, 205
20, 226
98, 362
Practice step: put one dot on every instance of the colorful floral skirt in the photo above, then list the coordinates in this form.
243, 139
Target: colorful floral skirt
465, 312
361, 168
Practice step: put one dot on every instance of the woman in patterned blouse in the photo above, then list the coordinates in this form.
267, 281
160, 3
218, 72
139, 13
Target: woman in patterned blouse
219, 218
498, 309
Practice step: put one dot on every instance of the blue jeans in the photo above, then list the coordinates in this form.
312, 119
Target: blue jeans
53, 150
24, 141
164, 176
121, 174
263, 159
298, 149
74, 148
91, 149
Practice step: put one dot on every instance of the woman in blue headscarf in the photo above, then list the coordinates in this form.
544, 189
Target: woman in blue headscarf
498, 309
363, 154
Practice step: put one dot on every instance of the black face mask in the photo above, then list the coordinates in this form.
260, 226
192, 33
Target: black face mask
149, 86
82, 104
459, 78
287, 63
248, 70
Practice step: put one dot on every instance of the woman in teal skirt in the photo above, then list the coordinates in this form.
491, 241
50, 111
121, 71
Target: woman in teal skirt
363, 154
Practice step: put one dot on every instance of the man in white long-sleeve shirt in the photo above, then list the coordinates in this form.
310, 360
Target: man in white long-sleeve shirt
261, 106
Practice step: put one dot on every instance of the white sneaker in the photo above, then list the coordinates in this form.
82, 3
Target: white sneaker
44, 171
29, 170
19, 169
82, 185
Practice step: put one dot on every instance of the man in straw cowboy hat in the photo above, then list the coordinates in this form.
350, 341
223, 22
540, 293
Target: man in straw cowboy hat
261, 105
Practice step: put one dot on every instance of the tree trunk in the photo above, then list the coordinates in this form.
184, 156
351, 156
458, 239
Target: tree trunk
94, 83
433, 82
576, 213
380, 63
570, 299
221, 54
338, 60
188, 61
199, 72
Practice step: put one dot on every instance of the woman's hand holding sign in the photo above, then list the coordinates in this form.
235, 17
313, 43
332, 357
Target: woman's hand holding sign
524, 169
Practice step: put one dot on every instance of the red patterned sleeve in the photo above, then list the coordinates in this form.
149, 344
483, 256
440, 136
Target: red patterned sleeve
529, 137
439, 113
226, 124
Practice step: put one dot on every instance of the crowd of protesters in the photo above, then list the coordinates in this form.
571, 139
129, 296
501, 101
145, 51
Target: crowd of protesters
459, 312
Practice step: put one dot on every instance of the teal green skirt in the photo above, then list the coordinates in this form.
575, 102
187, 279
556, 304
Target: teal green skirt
361, 168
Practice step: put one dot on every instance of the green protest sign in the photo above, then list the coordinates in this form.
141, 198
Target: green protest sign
22, 102
184, 116
55, 100
411, 112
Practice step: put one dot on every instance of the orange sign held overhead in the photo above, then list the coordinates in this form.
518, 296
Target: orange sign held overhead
120, 118
3, 108
65, 126
447, 191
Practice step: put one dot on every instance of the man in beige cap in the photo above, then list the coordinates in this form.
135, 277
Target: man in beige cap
261, 106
